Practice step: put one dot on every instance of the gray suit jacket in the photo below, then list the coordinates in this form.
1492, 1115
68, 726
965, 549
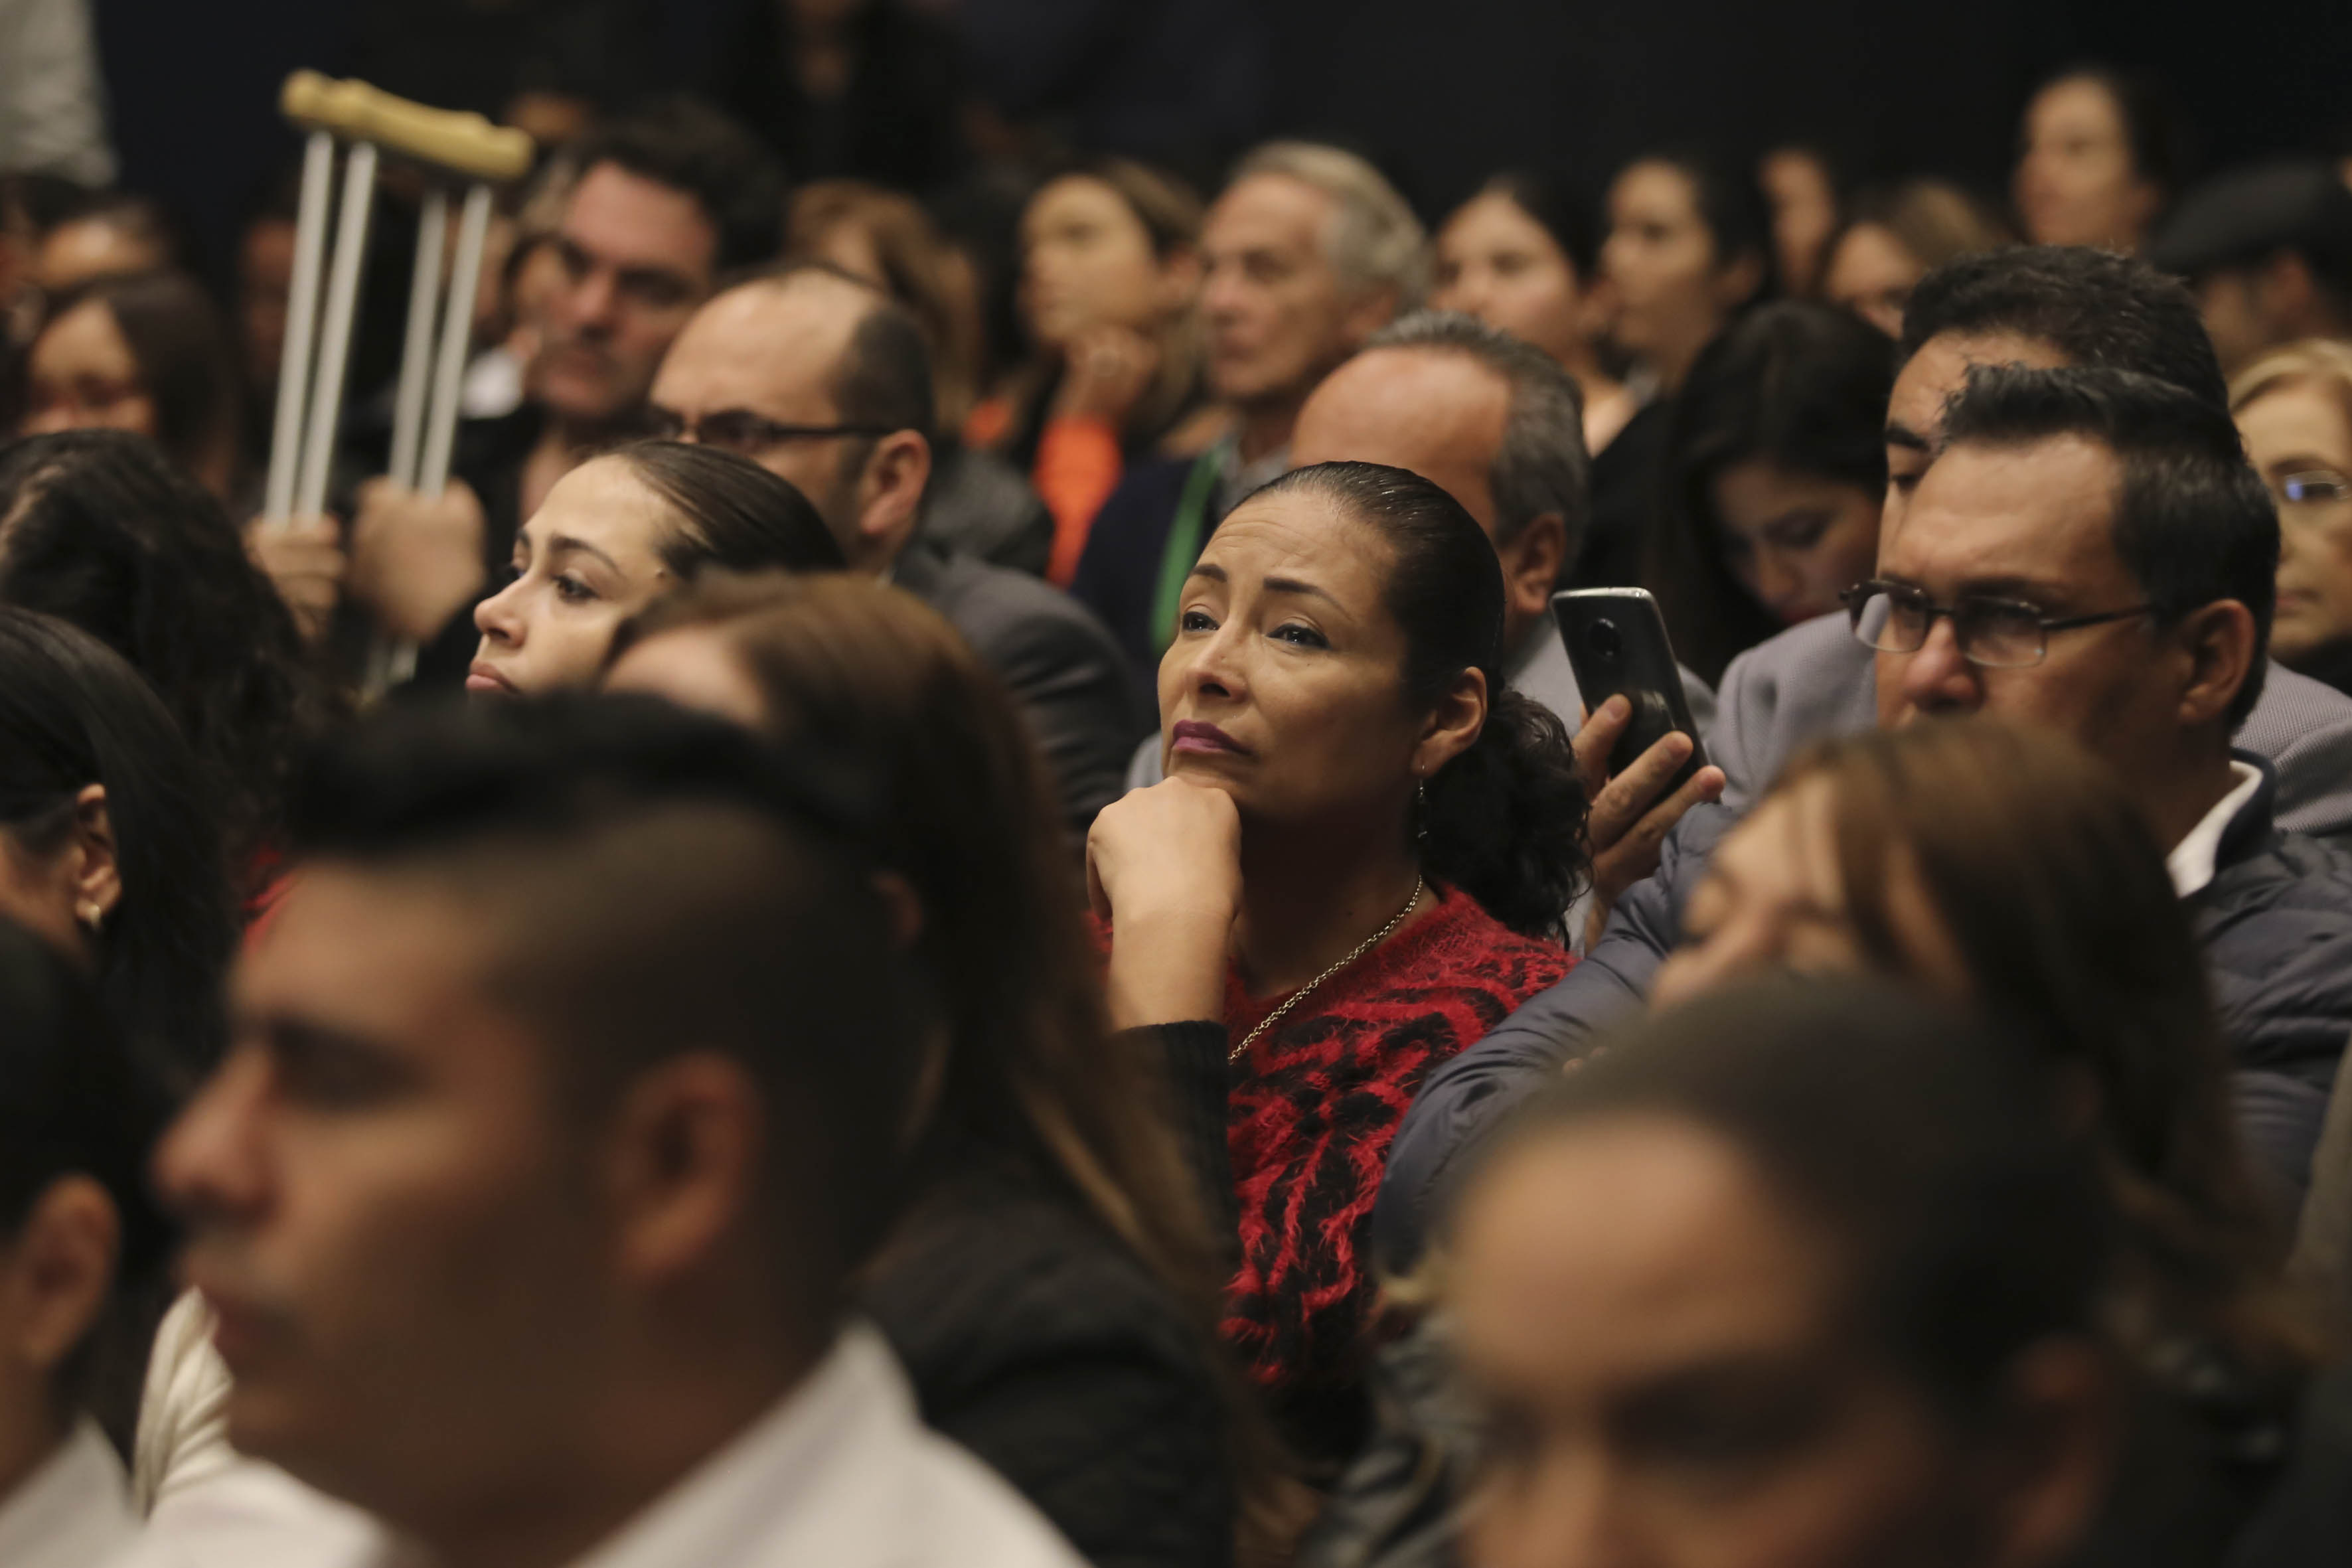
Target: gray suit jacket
1811, 681
1061, 666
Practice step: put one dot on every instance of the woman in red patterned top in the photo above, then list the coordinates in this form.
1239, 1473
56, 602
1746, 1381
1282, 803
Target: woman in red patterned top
1356, 868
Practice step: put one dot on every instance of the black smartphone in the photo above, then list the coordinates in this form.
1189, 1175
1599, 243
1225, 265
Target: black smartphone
1617, 645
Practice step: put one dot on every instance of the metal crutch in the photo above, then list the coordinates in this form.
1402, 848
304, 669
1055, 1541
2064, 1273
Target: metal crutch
446, 144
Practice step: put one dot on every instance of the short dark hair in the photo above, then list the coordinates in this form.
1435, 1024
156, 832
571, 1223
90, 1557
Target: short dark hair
884, 375
181, 346
73, 714
1504, 821
736, 515
98, 529
2193, 522
691, 147
2095, 307
1542, 466
653, 881
1923, 1144
1800, 385
76, 1105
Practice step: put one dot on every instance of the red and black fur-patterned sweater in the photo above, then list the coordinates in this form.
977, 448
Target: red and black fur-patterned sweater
1310, 1112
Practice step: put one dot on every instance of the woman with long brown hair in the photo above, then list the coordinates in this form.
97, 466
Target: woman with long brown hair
1051, 1287
2007, 867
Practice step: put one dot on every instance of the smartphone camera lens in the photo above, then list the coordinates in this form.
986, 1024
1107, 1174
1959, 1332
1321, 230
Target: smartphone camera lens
1607, 644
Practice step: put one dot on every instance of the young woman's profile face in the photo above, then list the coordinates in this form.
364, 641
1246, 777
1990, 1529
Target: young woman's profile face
84, 377
1285, 684
588, 560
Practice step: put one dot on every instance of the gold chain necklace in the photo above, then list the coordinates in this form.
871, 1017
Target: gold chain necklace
1363, 947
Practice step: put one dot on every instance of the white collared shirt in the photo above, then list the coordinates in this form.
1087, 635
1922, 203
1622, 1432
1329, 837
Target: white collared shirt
840, 1472
74, 1511
2191, 860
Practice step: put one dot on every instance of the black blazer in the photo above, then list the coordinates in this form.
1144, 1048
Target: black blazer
1036, 1339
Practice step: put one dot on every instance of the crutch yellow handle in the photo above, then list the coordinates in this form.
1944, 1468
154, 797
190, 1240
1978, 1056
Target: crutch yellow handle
462, 143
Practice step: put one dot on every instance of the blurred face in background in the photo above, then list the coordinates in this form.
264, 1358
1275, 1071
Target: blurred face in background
82, 377
1087, 260
1871, 273
2299, 435
1279, 314
1496, 263
1774, 898
1804, 214
1673, 289
2076, 183
383, 1196
1669, 1372
634, 258
265, 283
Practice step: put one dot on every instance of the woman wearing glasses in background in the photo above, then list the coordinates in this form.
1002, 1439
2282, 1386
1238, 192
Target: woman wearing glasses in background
2295, 409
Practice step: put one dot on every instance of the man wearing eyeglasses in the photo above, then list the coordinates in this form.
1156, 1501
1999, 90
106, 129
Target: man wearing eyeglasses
667, 202
2084, 550
826, 381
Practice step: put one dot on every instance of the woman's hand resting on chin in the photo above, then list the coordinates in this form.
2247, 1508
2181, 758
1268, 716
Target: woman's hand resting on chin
1164, 868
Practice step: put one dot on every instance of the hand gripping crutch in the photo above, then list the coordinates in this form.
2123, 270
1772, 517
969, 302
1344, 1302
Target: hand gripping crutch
310, 376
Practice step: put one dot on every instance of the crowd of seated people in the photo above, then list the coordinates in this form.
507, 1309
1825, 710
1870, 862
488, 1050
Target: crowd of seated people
997, 925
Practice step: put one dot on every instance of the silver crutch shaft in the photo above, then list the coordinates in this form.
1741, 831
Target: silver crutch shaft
457, 341
294, 359
448, 381
335, 332
415, 354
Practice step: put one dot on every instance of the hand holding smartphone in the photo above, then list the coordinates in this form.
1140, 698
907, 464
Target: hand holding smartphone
1617, 645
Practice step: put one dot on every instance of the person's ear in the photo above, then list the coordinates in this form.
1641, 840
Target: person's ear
1453, 726
890, 495
2053, 1453
1532, 565
684, 1147
95, 870
2218, 645
57, 1273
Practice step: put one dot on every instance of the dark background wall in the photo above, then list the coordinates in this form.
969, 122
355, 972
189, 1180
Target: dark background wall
1441, 91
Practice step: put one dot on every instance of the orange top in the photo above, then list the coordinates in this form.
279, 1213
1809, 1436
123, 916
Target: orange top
1078, 464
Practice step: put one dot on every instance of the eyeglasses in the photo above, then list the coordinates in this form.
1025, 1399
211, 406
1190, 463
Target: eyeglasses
1997, 634
2311, 488
744, 433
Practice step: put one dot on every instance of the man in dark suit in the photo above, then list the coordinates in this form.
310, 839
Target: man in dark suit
826, 382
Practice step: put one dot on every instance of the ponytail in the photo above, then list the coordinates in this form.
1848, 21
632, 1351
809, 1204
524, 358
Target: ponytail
1505, 821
